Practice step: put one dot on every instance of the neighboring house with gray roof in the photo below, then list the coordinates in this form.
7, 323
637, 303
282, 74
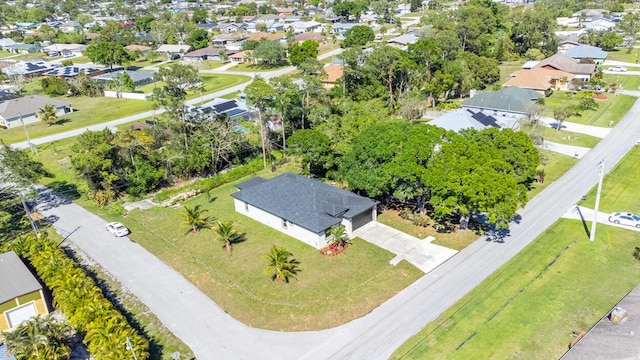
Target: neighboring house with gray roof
587, 52
13, 111
461, 119
403, 41
303, 208
21, 296
509, 101
139, 78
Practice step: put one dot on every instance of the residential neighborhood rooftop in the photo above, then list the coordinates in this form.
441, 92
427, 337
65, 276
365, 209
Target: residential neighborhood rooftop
17, 280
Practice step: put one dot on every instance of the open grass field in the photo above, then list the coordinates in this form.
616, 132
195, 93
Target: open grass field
559, 284
611, 109
88, 111
621, 54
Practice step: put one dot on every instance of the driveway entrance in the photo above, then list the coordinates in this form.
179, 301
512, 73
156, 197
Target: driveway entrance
421, 253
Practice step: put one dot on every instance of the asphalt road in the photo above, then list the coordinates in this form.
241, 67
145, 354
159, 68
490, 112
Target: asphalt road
213, 334
113, 123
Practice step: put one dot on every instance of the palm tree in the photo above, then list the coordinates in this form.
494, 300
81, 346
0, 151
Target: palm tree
48, 114
337, 235
282, 265
226, 233
39, 338
195, 219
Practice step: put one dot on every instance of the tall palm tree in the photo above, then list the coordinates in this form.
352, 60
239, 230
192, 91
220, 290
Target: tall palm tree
195, 219
226, 233
281, 264
39, 338
48, 114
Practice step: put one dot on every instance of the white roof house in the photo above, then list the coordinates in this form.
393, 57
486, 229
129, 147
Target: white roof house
173, 49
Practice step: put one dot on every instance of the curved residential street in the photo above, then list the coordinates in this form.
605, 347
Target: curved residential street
213, 334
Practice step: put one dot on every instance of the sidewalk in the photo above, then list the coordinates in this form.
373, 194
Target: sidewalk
570, 150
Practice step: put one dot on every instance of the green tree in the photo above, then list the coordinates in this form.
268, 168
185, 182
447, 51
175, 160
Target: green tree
298, 53
269, 53
390, 66
95, 159
52, 85
337, 235
608, 40
194, 218
358, 36
315, 149
630, 24
48, 114
281, 265
121, 82
41, 338
261, 95
471, 23
107, 53
560, 115
199, 16
227, 233
198, 39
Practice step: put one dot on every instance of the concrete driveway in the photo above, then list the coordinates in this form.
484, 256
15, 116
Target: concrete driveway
585, 214
421, 253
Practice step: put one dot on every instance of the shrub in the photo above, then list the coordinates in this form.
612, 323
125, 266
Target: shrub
52, 85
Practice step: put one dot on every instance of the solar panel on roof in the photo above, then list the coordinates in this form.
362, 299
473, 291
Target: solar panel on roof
234, 112
222, 107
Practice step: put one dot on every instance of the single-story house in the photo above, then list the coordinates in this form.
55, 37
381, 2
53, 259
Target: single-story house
460, 119
28, 68
587, 52
21, 296
540, 79
303, 208
271, 25
570, 65
4, 42
342, 28
265, 35
567, 44
208, 53
216, 107
334, 72
67, 72
74, 48
242, 56
173, 49
139, 78
598, 25
509, 101
311, 36
224, 39
143, 49
20, 48
25, 109
403, 41
285, 11
305, 26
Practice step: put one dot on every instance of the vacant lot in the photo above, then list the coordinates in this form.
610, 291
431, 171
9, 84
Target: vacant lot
611, 109
559, 284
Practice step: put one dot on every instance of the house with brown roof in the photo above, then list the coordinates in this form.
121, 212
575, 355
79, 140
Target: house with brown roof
242, 56
570, 65
302, 37
143, 49
265, 35
334, 72
540, 79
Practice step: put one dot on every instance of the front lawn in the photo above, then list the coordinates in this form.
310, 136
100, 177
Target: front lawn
567, 137
330, 290
620, 54
611, 109
87, 111
257, 68
554, 166
561, 283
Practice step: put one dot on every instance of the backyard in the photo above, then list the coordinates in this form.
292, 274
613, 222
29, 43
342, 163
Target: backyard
531, 306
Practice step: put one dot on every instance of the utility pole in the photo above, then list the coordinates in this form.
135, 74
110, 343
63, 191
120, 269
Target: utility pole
26, 210
592, 234
130, 347
33, 148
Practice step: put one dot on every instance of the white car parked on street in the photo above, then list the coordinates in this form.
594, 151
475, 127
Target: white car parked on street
117, 229
618, 68
628, 219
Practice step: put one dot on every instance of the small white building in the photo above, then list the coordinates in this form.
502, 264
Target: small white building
303, 208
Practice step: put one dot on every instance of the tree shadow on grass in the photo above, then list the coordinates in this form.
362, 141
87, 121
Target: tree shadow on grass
62, 121
66, 189
240, 238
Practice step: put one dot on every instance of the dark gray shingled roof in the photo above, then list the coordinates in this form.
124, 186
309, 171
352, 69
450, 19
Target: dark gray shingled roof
308, 203
512, 99
16, 279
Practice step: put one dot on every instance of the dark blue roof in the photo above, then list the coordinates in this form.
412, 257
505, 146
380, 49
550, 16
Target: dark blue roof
306, 202
71, 71
3, 353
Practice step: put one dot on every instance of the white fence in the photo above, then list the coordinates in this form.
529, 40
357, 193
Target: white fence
126, 95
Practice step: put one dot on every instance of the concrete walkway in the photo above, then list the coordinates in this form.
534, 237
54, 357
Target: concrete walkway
585, 214
421, 253
595, 131
570, 150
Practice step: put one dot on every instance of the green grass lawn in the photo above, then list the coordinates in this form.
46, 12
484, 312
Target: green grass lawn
256, 68
88, 111
554, 166
34, 56
628, 82
613, 108
620, 54
4, 53
330, 290
559, 284
509, 67
217, 82
568, 137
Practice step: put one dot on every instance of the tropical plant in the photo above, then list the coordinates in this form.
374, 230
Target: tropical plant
226, 233
281, 264
337, 235
48, 114
195, 219
39, 338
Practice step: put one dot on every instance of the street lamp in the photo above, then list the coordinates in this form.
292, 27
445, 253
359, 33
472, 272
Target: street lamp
33, 148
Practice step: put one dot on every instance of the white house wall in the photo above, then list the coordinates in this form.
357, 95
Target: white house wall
318, 241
